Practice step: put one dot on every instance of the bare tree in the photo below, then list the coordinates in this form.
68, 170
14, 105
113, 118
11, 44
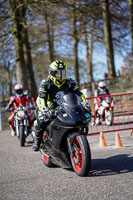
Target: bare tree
75, 43
131, 20
17, 15
50, 34
22, 46
28, 61
108, 38
89, 50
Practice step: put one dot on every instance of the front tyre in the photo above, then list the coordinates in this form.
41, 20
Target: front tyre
108, 118
81, 161
97, 121
21, 136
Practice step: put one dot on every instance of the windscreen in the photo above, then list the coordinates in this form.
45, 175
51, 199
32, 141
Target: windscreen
70, 104
69, 99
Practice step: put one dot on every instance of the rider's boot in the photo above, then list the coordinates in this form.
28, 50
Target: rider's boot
37, 142
37, 138
39, 129
13, 133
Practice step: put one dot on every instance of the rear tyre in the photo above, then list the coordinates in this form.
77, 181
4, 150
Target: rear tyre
81, 161
21, 136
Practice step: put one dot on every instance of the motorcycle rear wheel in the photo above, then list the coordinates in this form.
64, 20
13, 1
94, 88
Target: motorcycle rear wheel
21, 136
81, 162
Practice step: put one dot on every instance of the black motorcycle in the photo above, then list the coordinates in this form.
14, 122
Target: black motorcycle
21, 124
64, 143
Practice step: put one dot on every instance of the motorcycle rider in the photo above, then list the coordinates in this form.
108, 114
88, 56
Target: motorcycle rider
53, 88
101, 91
15, 101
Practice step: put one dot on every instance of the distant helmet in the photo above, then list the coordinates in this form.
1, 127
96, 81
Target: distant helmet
18, 89
101, 85
58, 72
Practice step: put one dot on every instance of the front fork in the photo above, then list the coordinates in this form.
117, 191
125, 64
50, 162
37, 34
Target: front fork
25, 128
26, 124
70, 148
17, 127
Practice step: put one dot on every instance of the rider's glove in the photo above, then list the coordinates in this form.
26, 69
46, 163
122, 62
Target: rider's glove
47, 113
32, 107
86, 106
56, 111
10, 109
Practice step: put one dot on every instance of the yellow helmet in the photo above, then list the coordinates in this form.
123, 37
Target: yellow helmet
58, 72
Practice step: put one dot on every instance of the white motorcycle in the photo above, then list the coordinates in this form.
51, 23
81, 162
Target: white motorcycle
105, 111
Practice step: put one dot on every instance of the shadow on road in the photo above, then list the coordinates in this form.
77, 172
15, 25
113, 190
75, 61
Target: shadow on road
113, 165
118, 164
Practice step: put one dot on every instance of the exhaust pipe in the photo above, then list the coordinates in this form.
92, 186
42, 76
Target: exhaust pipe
42, 152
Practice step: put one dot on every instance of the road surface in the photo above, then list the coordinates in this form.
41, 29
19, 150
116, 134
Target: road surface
23, 175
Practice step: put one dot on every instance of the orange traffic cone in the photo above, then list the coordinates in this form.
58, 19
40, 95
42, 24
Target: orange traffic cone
118, 142
102, 142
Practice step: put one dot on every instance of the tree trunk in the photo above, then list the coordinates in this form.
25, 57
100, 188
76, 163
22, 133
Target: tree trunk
2, 92
24, 68
131, 20
17, 16
75, 43
49, 36
28, 62
9, 81
108, 39
89, 58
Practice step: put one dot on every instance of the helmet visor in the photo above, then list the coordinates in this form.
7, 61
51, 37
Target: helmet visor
20, 91
60, 74
103, 88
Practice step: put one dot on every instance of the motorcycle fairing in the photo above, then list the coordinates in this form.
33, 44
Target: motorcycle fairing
63, 129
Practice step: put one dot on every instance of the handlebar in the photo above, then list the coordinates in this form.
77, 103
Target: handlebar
50, 113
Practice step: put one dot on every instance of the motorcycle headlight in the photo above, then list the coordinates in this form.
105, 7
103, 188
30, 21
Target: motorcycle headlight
21, 114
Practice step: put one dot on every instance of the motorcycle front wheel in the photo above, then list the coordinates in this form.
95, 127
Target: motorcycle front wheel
81, 162
21, 136
97, 121
108, 118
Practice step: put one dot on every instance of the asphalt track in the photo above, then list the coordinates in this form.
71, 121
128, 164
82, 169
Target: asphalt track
23, 175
